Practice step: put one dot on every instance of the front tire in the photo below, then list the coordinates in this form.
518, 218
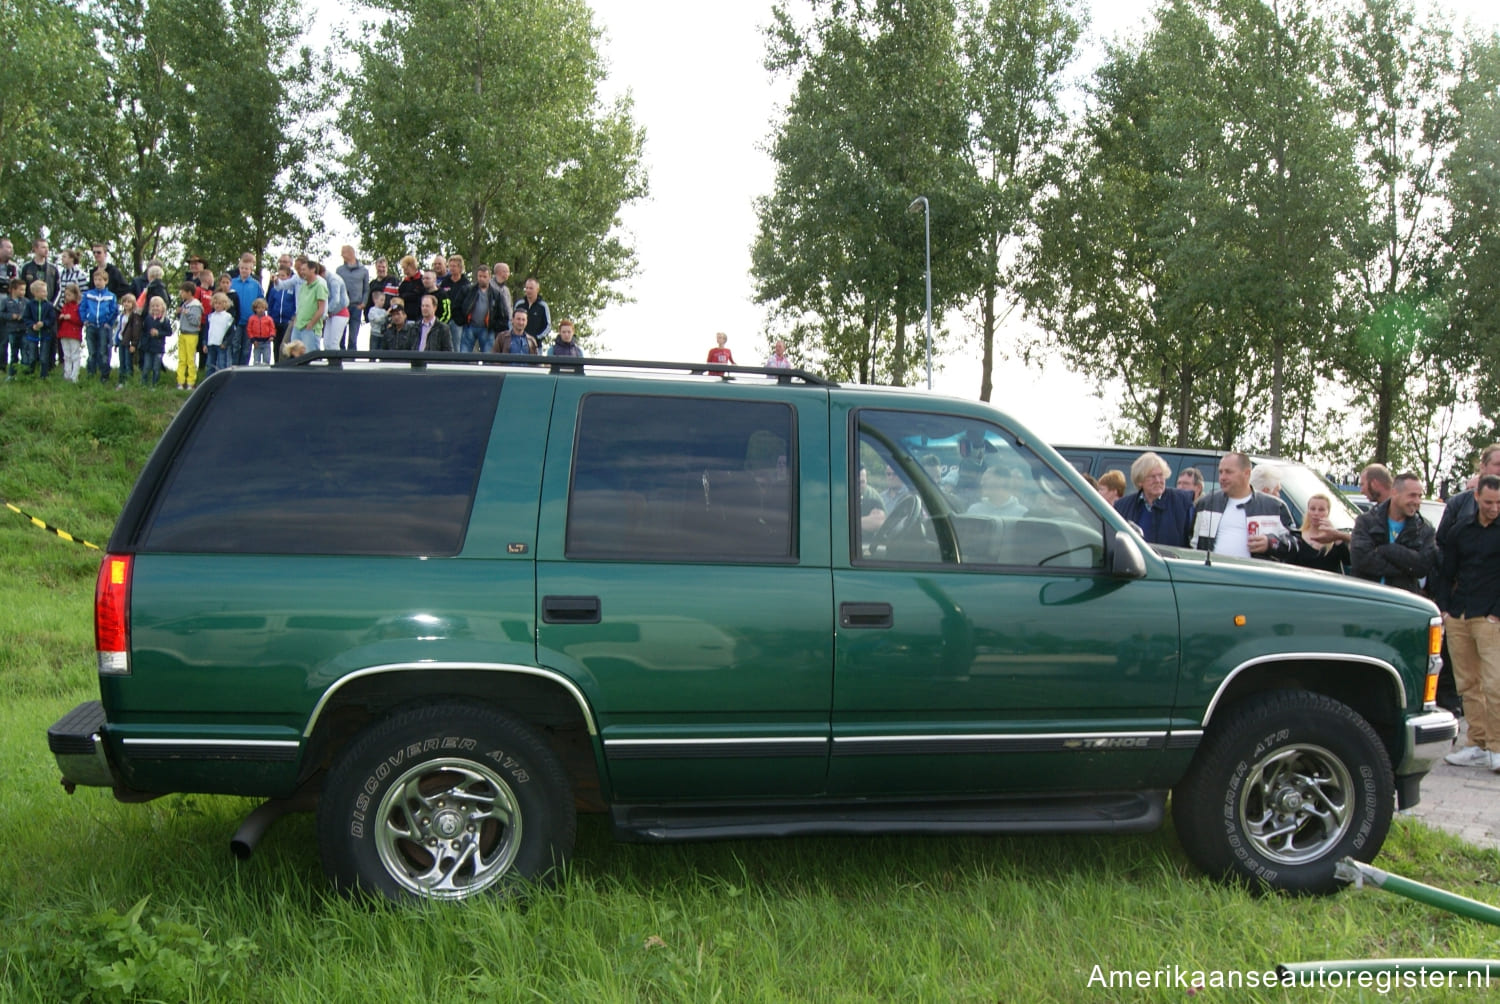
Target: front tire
1290, 784
445, 802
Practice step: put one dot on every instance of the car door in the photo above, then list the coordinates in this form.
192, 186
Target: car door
981, 646
683, 578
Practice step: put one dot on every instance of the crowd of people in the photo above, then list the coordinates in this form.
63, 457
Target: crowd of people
95, 322
1456, 564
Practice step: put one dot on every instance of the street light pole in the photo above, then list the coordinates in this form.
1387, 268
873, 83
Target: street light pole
927, 234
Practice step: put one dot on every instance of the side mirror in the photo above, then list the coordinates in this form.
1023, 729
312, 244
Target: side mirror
1124, 557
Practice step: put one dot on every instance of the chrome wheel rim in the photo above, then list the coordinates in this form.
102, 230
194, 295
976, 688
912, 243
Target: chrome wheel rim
1297, 804
448, 828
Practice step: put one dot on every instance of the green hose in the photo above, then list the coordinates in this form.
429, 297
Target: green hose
1386, 974
1359, 873
1423, 970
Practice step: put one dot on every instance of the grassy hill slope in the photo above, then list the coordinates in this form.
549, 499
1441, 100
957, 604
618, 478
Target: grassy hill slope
69, 454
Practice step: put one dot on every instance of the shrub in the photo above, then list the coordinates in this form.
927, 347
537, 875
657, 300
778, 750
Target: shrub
114, 957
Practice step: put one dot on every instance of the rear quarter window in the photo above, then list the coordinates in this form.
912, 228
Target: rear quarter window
327, 462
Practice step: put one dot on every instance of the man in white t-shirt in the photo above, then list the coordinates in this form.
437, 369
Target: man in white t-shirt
1238, 520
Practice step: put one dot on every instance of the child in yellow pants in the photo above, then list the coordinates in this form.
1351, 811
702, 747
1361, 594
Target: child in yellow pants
189, 325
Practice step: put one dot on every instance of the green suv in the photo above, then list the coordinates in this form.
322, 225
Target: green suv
450, 605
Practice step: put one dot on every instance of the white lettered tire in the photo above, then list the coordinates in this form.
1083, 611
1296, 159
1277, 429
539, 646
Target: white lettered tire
445, 801
1289, 784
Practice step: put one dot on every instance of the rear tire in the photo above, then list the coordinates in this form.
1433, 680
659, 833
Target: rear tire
445, 802
1288, 785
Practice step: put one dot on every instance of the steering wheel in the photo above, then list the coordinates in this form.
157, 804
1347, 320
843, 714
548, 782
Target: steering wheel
904, 515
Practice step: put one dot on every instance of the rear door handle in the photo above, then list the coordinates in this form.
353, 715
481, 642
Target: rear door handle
865, 615
571, 609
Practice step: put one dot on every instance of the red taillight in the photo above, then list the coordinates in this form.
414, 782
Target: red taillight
112, 615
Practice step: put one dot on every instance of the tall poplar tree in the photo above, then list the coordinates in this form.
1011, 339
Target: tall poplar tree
258, 164
193, 127
476, 126
1115, 271
44, 178
1395, 80
1472, 175
135, 156
1288, 186
1014, 54
876, 119
1190, 249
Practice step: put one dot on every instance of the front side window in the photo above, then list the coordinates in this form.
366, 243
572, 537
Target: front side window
683, 479
942, 489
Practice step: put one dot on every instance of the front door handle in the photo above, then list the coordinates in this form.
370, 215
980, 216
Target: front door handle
570, 610
865, 615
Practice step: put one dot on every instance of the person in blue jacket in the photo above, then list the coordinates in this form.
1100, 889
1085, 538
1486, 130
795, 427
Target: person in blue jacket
98, 311
39, 319
1164, 515
281, 299
155, 330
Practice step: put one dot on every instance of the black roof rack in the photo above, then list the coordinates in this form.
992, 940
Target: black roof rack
558, 364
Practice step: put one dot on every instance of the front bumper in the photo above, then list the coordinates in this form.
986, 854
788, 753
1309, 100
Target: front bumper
77, 742
1429, 736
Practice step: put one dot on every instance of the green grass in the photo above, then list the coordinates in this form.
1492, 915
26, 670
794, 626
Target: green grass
104, 901
69, 454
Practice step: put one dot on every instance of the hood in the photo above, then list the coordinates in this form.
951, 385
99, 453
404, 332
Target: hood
1188, 566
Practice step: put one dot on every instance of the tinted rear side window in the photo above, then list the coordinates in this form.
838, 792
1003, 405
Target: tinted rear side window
328, 462
683, 479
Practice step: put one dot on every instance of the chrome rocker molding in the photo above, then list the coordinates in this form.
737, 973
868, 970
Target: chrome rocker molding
266, 750
1010, 742
716, 748
901, 744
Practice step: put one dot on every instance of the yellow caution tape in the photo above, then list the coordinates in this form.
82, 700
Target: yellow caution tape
42, 525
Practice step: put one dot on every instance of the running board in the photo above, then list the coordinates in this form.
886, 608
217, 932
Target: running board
1111, 812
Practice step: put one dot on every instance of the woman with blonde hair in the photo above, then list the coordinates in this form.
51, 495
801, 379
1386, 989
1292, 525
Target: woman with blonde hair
1327, 546
411, 289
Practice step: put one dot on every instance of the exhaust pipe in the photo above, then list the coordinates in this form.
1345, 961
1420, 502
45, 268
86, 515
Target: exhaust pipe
242, 844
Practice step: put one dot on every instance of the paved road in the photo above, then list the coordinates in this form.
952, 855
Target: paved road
1462, 800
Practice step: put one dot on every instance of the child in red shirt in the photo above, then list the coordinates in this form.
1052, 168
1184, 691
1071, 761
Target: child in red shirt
70, 331
720, 354
260, 329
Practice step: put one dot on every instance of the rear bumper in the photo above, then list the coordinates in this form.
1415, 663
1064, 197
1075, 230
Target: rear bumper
77, 742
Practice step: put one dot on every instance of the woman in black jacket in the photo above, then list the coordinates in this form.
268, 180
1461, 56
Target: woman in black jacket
1326, 547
